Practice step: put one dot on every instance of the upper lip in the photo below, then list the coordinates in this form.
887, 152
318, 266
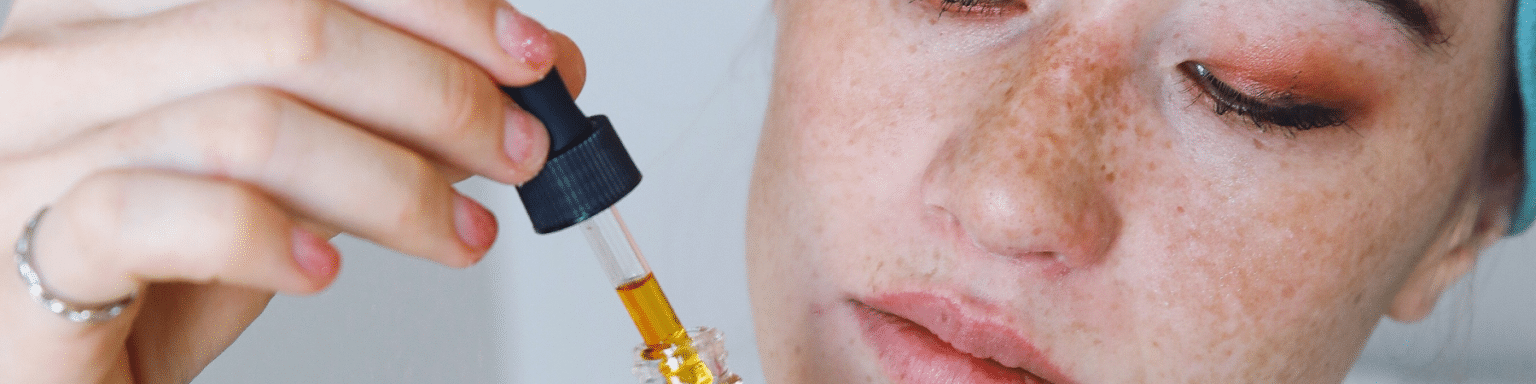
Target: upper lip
968, 329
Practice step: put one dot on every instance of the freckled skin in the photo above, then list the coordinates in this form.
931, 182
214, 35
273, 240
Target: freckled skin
1069, 174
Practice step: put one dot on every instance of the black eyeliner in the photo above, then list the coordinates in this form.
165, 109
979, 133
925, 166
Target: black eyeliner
1300, 117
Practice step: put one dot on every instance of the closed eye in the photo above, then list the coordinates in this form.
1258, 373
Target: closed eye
978, 7
1283, 112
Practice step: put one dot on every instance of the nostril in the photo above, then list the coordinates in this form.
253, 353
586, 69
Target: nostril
1026, 226
943, 219
1005, 246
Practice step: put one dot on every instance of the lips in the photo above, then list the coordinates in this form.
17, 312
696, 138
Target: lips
924, 339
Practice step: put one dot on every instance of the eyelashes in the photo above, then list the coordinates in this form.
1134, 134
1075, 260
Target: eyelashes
1284, 112
1265, 110
978, 7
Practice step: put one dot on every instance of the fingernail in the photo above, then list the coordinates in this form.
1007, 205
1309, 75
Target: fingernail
524, 38
476, 225
524, 138
315, 255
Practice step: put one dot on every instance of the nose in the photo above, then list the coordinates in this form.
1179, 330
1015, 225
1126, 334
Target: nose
1037, 204
1029, 176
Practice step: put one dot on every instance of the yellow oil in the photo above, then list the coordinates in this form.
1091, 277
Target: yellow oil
664, 336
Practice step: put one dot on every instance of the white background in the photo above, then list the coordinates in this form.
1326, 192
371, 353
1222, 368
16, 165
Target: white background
685, 83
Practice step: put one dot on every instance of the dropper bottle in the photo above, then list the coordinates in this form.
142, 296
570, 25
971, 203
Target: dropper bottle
589, 170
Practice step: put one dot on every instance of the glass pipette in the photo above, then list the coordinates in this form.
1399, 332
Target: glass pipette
587, 172
642, 296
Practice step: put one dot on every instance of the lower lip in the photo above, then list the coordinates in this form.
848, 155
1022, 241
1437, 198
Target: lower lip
913, 355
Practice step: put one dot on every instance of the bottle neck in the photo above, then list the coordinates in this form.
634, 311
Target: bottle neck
707, 347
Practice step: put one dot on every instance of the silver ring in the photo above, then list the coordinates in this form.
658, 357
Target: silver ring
74, 312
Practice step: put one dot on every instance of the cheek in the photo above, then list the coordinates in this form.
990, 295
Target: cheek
849, 133
1234, 251
1266, 282
1275, 251
830, 151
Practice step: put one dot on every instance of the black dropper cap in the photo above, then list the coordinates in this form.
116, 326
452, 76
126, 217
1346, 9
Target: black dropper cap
588, 169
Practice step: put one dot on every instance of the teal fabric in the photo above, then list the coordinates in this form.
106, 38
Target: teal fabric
1525, 65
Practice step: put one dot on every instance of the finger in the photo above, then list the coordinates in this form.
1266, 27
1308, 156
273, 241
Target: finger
322, 168
118, 230
518, 51
395, 84
573, 66
185, 326
26, 14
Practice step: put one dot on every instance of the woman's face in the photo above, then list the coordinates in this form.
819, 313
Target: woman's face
1103, 191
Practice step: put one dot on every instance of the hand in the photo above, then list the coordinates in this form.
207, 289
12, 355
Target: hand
201, 153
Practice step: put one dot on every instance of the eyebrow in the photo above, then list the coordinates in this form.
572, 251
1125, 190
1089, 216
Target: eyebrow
1413, 16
